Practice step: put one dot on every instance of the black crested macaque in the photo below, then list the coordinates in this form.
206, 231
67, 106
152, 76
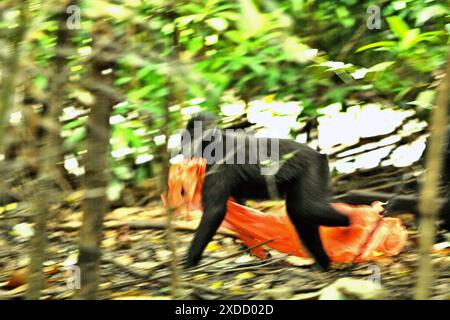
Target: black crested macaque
238, 166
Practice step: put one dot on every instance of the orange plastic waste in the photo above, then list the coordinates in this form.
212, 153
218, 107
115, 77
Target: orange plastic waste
369, 235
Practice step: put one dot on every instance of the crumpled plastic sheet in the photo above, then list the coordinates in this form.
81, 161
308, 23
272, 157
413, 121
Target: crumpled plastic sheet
368, 236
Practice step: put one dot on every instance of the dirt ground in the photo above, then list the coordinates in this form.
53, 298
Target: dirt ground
135, 263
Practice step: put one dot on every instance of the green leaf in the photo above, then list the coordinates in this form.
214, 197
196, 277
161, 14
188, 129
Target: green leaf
168, 28
184, 21
398, 26
429, 12
217, 63
243, 81
103, 9
141, 174
77, 135
252, 21
145, 71
234, 36
41, 82
425, 99
191, 8
211, 40
256, 66
296, 50
123, 172
342, 12
348, 22
219, 24
154, 108
114, 190
430, 36
122, 108
123, 80
73, 124
381, 66
377, 45
410, 39
132, 139
186, 33
195, 44
141, 93
297, 5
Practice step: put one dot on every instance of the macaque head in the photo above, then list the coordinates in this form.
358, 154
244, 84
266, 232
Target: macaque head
198, 129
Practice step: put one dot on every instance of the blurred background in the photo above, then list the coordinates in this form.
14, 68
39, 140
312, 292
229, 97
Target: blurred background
92, 93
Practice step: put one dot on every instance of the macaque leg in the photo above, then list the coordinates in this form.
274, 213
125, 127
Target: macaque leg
308, 208
214, 201
307, 232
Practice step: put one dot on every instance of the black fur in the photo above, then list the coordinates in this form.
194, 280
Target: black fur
302, 180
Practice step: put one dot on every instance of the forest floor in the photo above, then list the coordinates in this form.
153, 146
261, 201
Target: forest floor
136, 259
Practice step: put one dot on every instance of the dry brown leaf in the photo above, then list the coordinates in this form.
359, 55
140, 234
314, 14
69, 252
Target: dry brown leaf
53, 269
123, 213
109, 242
18, 290
149, 265
74, 196
123, 238
163, 255
124, 260
17, 278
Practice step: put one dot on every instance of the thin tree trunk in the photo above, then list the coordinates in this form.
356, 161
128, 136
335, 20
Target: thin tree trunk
176, 96
49, 154
430, 187
39, 205
10, 70
60, 77
96, 160
171, 237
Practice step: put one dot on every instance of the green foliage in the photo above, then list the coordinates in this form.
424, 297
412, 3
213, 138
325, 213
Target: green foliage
195, 54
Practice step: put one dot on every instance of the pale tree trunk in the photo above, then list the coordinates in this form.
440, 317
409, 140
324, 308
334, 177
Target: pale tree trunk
176, 96
96, 161
10, 66
430, 187
171, 236
60, 77
49, 154
39, 206
39, 200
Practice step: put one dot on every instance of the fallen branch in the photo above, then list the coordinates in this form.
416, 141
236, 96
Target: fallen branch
246, 268
405, 203
397, 203
139, 225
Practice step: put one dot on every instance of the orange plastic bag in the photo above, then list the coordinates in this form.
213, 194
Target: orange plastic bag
368, 236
